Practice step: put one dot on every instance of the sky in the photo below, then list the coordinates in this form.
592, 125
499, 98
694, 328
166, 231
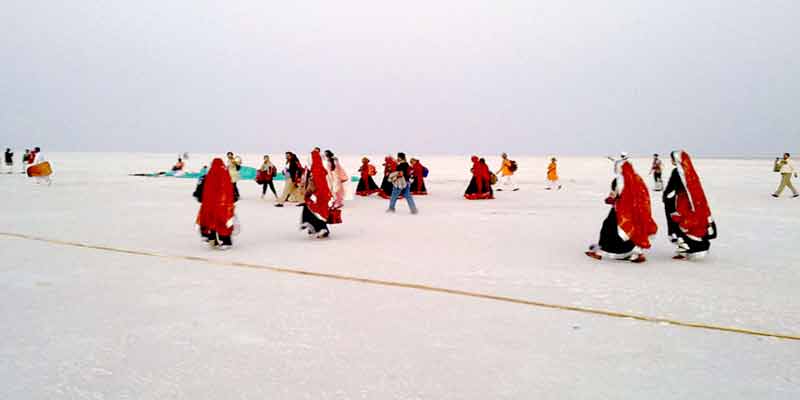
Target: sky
527, 77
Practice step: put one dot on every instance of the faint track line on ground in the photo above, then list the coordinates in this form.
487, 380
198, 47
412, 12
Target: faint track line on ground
415, 286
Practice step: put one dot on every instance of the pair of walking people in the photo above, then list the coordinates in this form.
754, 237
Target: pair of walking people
626, 231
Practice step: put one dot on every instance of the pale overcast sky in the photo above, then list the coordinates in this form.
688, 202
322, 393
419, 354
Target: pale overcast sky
444, 76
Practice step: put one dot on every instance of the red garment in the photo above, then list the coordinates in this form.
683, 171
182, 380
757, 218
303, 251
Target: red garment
365, 170
318, 200
634, 215
216, 208
477, 172
389, 166
419, 179
692, 214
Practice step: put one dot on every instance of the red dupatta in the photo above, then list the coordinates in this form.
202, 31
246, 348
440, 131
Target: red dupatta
319, 199
634, 215
692, 213
418, 171
216, 208
389, 166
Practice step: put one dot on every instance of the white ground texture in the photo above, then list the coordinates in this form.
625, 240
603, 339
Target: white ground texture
81, 323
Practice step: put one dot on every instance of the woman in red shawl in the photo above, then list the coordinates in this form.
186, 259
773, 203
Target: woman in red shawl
418, 178
389, 166
316, 209
480, 186
627, 229
366, 185
216, 215
689, 222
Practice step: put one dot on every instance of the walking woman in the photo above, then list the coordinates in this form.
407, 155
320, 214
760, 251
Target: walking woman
265, 176
366, 185
418, 172
689, 222
480, 187
627, 229
389, 166
337, 178
216, 215
292, 173
316, 209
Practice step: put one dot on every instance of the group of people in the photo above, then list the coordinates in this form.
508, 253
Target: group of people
33, 163
626, 231
412, 171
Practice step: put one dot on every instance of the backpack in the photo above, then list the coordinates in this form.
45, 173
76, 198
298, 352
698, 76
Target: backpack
513, 166
371, 171
424, 172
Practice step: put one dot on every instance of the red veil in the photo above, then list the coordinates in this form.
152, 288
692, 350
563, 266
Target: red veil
389, 165
217, 208
322, 193
365, 169
634, 215
692, 213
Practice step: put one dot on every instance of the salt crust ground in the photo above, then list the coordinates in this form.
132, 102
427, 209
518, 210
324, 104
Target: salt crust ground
86, 324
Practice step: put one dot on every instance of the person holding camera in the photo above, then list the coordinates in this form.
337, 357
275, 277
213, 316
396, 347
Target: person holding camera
786, 168
400, 186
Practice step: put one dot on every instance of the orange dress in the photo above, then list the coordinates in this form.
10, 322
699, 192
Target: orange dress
552, 172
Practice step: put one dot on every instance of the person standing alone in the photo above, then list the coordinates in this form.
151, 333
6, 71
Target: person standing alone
786, 168
655, 169
9, 160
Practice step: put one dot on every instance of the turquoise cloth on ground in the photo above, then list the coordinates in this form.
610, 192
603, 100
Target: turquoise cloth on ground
245, 174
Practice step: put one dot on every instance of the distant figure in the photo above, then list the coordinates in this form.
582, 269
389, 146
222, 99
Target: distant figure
786, 168
234, 165
316, 211
265, 176
9, 161
627, 229
216, 217
337, 178
26, 159
399, 179
689, 222
39, 167
506, 171
178, 166
480, 185
656, 169
418, 174
293, 174
366, 185
552, 175
389, 166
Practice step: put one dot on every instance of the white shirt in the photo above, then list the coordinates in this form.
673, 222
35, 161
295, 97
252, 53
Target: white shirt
787, 167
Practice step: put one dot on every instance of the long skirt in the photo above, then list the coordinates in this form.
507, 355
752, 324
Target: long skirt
418, 187
386, 188
367, 187
472, 192
311, 222
610, 241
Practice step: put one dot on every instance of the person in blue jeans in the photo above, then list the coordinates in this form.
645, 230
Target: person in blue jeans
400, 184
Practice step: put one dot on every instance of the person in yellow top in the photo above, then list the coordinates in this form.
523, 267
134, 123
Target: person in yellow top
506, 171
552, 175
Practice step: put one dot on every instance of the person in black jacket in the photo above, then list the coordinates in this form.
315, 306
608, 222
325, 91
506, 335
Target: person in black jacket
399, 179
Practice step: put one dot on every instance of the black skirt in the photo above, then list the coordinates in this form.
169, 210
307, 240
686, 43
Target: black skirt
312, 220
367, 186
386, 187
610, 242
